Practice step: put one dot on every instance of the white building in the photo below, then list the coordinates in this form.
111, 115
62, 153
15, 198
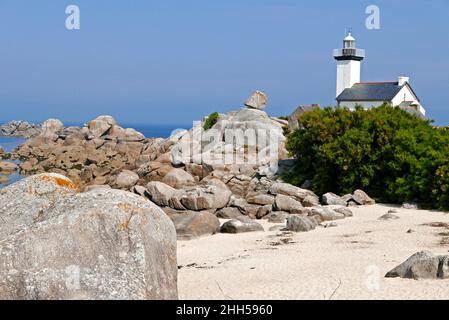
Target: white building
352, 92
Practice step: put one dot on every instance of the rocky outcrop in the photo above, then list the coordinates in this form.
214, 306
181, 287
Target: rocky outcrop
93, 155
422, 265
102, 244
264, 137
20, 129
179, 174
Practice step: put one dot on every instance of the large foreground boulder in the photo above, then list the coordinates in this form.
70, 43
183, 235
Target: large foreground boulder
422, 265
56, 243
30, 201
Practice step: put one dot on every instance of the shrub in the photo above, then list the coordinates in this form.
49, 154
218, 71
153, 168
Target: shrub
389, 153
211, 120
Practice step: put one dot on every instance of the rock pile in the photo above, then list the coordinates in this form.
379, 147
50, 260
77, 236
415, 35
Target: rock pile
180, 175
96, 154
19, 129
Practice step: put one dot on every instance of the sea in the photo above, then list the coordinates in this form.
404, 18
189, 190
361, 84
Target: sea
149, 131
8, 144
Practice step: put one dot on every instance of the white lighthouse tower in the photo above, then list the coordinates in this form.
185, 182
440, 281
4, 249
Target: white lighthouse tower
348, 67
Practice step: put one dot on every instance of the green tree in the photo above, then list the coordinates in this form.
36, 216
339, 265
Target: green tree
393, 155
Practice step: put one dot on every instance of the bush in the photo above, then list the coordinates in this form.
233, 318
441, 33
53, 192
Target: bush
6, 156
391, 154
211, 120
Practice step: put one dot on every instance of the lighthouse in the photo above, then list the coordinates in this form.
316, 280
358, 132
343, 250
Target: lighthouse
351, 92
348, 64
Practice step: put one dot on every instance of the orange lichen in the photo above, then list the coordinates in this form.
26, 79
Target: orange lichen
123, 226
65, 183
128, 208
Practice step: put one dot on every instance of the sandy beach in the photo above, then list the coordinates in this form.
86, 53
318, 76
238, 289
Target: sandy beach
348, 261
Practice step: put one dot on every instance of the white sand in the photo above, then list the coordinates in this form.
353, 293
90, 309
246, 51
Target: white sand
345, 262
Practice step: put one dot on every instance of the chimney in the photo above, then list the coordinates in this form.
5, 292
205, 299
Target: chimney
403, 80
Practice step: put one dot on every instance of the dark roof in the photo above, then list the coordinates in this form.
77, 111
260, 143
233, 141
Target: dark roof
370, 91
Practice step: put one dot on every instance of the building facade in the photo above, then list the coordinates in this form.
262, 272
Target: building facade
351, 92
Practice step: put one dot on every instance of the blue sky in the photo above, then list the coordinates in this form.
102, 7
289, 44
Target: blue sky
169, 61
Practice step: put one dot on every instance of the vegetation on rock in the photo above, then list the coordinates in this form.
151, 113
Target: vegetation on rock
211, 120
